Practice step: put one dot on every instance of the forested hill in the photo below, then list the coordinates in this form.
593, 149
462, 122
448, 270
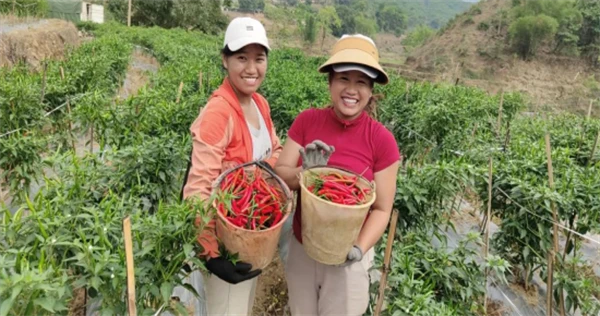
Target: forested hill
433, 13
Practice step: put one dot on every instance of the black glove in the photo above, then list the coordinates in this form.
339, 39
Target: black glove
229, 272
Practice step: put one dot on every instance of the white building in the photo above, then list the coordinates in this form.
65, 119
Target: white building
92, 12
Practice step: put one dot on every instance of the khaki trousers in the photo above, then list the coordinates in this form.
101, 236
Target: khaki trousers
223, 298
318, 289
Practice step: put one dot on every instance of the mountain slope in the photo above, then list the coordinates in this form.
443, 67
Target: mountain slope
474, 47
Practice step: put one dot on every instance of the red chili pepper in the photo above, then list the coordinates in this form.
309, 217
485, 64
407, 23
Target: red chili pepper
277, 218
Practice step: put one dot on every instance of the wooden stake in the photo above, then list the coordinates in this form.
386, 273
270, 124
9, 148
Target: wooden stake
62, 77
499, 25
92, 138
43, 82
593, 149
507, 138
200, 81
407, 91
131, 308
549, 309
129, 14
71, 127
386, 262
554, 250
589, 112
486, 238
499, 120
179, 92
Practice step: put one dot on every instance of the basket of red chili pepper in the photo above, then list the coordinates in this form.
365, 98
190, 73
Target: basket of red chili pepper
335, 203
252, 204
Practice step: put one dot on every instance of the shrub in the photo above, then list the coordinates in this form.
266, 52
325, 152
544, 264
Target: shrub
528, 32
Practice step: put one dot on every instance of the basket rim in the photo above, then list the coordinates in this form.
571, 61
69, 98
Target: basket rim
361, 206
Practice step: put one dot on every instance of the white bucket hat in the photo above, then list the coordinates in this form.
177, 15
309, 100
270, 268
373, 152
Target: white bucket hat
245, 31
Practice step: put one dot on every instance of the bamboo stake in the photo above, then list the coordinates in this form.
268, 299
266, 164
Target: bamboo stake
486, 239
45, 69
499, 120
129, 14
131, 308
554, 250
386, 262
62, 76
507, 138
179, 92
200, 81
549, 309
92, 138
589, 112
593, 149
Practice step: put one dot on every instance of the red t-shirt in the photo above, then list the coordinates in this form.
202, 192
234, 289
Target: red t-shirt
362, 145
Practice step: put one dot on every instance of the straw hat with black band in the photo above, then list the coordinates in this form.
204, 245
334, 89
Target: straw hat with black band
356, 52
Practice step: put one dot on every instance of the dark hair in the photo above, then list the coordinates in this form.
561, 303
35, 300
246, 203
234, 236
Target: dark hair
371, 107
227, 52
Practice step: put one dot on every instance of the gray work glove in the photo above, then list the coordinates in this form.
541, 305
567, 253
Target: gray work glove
355, 255
316, 153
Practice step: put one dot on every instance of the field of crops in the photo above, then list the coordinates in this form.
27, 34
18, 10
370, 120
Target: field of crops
69, 236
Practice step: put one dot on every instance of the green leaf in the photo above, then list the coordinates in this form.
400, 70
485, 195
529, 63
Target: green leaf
187, 249
6, 306
181, 310
46, 303
166, 290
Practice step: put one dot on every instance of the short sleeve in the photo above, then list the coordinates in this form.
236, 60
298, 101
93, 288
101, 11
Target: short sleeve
298, 128
386, 149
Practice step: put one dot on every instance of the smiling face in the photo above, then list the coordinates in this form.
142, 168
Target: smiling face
246, 69
350, 93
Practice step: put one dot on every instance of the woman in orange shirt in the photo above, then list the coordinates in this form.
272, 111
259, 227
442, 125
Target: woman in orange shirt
234, 127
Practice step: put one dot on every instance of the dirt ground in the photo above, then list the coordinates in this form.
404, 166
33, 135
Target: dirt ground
140, 68
271, 291
32, 41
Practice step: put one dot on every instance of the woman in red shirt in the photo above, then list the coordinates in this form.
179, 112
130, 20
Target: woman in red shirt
345, 135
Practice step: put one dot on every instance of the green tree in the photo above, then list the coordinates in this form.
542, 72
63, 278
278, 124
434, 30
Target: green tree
202, 15
251, 5
327, 20
310, 29
291, 3
366, 26
528, 32
390, 18
228, 3
348, 21
418, 36
589, 34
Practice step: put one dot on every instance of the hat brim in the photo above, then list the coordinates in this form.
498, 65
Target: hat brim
244, 41
356, 56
